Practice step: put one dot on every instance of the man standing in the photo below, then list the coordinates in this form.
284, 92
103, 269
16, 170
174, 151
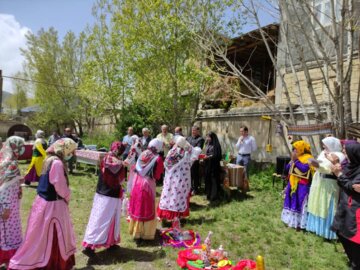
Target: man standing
54, 137
177, 133
245, 146
196, 141
166, 138
72, 160
127, 142
145, 139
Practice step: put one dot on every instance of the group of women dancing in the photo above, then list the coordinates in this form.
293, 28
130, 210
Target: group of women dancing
49, 241
323, 195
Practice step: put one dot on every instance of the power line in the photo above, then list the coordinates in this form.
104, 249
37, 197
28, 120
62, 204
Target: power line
34, 81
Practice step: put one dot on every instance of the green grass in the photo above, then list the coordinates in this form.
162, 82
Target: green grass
246, 226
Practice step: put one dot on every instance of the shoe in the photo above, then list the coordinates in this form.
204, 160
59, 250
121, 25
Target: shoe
88, 252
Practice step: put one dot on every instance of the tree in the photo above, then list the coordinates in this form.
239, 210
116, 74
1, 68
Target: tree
154, 57
19, 99
56, 68
306, 44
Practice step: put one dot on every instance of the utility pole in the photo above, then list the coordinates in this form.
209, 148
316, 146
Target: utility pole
1, 90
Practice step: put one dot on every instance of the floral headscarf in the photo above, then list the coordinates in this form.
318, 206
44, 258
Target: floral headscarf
117, 148
113, 164
60, 149
9, 153
147, 159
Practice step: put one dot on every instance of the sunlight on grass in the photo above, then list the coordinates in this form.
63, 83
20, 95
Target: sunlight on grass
246, 226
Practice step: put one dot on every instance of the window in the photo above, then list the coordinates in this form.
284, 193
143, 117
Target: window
323, 12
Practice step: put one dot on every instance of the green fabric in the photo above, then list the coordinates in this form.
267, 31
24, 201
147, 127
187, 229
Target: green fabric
321, 192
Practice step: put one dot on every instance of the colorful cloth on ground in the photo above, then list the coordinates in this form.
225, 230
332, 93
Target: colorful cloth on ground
103, 229
324, 193
179, 239
190, 258
45, 217
34, 170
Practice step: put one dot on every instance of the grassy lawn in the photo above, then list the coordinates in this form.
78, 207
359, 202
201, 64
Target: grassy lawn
246, 226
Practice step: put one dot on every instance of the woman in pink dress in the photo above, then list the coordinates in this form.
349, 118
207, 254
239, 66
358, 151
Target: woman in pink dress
10, 194
49, 239
103, 229
149, 168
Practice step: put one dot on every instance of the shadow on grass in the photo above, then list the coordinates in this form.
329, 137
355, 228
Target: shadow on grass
89, 267
196, 207
149, 243
199, 221
123, 255
237, 195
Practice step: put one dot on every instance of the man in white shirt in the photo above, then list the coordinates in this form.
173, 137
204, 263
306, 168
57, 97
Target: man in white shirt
245, 146
166, 138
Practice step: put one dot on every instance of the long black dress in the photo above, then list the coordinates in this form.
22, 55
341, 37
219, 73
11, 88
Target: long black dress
212, 169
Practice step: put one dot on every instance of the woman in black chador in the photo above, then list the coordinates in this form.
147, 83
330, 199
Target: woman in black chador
212, 166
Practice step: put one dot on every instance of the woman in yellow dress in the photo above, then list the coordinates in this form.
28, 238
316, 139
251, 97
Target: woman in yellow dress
34, 171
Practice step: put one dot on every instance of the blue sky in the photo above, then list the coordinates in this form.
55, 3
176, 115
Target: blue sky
63, 15
17, 17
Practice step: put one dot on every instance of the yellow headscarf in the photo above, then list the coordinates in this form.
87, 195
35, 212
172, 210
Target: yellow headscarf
301, 147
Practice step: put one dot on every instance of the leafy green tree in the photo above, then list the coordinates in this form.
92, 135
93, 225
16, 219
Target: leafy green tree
161, 65
56, 67
19, 99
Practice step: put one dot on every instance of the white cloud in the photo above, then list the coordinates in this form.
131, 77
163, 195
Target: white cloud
12, 38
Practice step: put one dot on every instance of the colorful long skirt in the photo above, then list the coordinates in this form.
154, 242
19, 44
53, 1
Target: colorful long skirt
294, 213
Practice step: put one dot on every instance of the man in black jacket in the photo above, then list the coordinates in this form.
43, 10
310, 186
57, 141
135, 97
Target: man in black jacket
195, 140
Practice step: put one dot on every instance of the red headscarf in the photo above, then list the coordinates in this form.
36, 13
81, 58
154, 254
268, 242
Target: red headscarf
112, 166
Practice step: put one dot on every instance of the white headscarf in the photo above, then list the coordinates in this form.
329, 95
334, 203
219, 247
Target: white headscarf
148, 158
156, 144
182, 143
333, 144
39, 134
